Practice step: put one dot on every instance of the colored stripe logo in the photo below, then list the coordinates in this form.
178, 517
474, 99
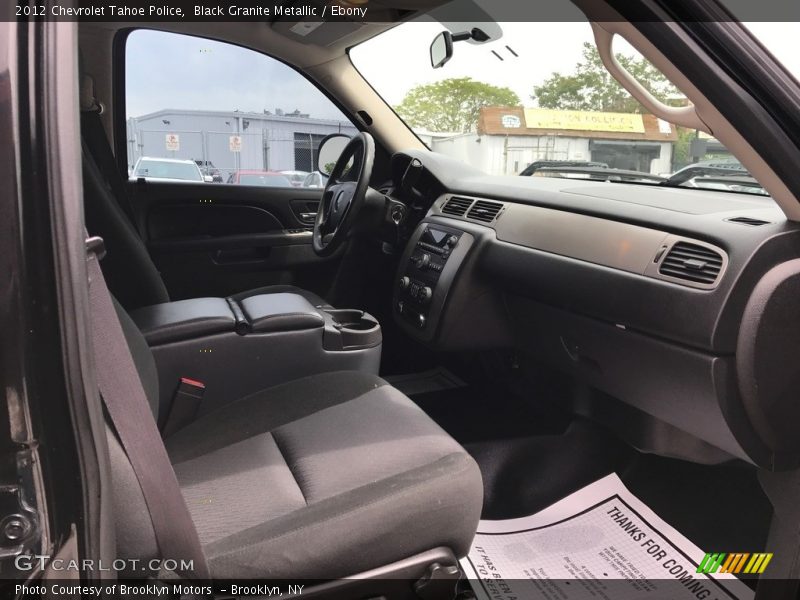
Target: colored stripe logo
737, 562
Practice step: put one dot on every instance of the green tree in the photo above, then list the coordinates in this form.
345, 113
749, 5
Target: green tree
591, 86
680, 153
452, 104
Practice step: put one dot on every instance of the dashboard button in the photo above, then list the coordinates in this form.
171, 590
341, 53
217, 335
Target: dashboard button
423, 261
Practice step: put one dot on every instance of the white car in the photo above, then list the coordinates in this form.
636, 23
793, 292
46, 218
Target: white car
295, 177
168, 169
315, 180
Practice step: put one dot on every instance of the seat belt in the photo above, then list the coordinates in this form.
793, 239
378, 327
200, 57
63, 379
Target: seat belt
127, 406
185, 405
99, 151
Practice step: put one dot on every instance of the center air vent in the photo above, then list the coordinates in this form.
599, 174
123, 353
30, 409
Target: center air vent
692, 262
484, 211
456, 206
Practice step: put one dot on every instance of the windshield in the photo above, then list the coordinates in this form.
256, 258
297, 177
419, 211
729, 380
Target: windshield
536, 100
159, 169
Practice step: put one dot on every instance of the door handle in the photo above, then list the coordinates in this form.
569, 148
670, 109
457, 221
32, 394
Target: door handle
308, 217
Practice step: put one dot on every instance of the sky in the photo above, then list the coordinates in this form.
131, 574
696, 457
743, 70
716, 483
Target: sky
181, 72
167, 70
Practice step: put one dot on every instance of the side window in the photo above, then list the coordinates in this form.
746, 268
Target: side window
200, 110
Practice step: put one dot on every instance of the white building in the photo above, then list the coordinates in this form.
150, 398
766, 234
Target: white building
510, 138
232, 140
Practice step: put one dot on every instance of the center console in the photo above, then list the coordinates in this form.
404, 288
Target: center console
427, 271
236, 348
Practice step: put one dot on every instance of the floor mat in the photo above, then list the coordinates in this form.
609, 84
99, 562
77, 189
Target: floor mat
522, 475
599, 542
531, 455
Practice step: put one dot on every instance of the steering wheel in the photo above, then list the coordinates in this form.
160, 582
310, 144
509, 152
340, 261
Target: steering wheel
344, 194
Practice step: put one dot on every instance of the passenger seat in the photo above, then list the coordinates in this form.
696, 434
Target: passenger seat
320, 478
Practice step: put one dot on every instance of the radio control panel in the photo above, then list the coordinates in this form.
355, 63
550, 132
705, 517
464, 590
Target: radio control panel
421, 283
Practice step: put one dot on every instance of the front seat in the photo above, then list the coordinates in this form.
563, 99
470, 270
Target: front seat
130, 273
321, 478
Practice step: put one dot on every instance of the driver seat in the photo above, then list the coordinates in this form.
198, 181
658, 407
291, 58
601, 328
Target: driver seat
130, 273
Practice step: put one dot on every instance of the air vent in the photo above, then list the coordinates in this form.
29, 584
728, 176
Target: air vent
748, 221
691, 262
484, 210
456, 206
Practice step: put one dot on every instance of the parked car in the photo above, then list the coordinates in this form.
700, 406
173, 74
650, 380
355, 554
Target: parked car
315, 180
598, 174
541, 164
207, 168
259, 178
169, 169
296, 178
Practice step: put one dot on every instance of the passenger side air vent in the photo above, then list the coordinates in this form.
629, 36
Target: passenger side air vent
748, 221
484, 211
456, 207
692, 262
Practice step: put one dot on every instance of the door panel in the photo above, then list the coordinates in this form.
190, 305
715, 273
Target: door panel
218, 239
201, 220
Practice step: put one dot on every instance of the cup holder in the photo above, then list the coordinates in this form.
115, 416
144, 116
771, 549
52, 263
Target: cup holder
356, 328
360, 326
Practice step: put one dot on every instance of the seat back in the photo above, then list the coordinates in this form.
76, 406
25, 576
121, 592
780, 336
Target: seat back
131, 275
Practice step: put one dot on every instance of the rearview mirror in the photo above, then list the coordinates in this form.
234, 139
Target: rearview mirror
442, 45
330, 149
441, 49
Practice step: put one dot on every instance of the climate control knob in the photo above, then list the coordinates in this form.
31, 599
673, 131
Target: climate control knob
404, 283
424, 295
423, 261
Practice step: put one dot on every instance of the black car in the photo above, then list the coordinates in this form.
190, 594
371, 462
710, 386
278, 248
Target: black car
544, 164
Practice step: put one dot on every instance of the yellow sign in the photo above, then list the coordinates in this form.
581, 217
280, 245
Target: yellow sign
580, 120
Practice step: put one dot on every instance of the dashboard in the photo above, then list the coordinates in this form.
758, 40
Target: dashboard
662, 302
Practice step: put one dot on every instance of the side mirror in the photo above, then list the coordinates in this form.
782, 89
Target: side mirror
329, 151
441, 49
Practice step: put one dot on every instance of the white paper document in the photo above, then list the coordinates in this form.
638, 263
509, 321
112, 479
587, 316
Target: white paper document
599, 543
